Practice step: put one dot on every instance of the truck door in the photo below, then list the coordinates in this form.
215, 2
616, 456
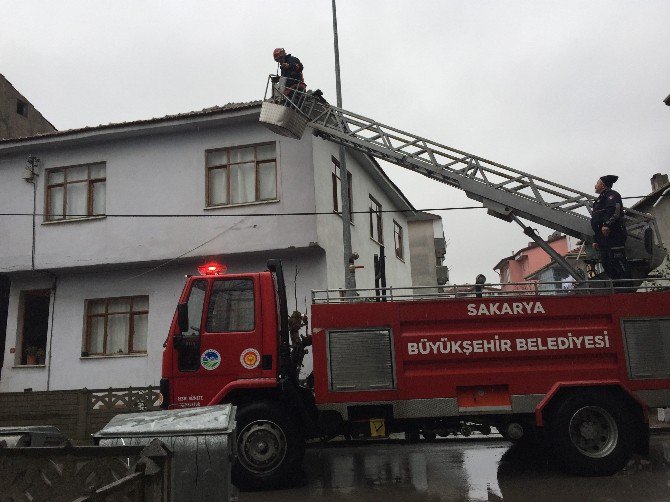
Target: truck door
223, 342
231, 333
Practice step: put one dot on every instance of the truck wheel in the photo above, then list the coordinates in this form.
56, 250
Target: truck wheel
593, 434
429, 436
270, 447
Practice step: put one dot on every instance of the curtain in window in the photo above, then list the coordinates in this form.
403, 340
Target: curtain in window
76, 204
243, 183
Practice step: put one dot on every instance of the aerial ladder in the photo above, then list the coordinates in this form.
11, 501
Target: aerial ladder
506, 193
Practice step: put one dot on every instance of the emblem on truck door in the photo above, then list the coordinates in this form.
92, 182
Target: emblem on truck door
250, 358
210, 359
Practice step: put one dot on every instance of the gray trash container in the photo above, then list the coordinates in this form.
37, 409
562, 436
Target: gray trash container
37, 435
202, 441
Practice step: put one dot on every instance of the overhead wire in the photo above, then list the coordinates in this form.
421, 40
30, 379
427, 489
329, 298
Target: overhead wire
292, 213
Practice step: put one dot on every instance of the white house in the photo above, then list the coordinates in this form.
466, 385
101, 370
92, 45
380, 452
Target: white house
96, 240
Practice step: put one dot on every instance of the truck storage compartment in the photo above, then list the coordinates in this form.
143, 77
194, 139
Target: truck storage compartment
360, 360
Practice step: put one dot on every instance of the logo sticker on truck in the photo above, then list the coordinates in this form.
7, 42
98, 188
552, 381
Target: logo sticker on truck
250, 358
210, 359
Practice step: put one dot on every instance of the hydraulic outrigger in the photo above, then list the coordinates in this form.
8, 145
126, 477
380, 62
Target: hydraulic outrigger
507, 193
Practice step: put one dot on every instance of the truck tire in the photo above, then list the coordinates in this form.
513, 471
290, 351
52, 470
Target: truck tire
270, 447
592, 434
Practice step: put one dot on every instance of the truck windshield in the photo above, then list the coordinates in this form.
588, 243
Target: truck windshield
231, 306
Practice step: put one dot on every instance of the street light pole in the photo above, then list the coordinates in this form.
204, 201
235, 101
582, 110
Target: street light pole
349, 271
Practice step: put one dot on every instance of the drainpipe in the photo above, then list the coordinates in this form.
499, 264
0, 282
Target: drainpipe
51, 326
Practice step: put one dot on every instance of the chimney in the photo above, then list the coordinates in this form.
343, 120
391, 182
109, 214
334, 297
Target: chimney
658, 180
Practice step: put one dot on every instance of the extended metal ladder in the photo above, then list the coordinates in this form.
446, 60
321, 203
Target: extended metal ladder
507, 193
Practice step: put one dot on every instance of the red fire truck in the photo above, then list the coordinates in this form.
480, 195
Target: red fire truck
581, 369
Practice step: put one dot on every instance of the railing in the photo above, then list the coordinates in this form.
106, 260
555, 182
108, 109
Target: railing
490, 290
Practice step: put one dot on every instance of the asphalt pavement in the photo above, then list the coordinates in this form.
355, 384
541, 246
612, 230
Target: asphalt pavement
472, 469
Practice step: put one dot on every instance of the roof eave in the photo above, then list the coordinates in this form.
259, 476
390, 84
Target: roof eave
124, 130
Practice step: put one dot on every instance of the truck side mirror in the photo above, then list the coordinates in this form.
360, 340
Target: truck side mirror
182, 317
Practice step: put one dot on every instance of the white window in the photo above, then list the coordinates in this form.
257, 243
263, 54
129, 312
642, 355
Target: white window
376, 229
116, 326
76, 192
337, 190
241, 175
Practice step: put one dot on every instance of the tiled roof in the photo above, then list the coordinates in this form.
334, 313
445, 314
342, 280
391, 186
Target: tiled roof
214, 110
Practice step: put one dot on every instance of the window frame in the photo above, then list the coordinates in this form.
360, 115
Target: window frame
377, 211
398, 238
337, 189
226, 168
90, 182
131, 325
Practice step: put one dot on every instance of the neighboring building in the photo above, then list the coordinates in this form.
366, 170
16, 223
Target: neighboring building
518, 269
93, 293
554, 273
658, 204
427, 261
18, 117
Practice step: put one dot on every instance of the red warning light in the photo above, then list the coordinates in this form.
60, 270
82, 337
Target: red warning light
212, 269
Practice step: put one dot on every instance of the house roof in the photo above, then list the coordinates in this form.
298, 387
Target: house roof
214, 110
650, 199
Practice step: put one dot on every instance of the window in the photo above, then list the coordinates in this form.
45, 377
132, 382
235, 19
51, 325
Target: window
76, 192
34, 318
231, 306
337, 190
241, 175
116, 325
376, 232
398, 240
21, 107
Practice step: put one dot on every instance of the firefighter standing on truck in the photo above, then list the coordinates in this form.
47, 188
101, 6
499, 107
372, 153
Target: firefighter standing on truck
609, 231
291, 68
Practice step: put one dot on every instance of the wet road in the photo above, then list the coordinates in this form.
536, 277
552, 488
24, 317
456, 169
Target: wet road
465, 470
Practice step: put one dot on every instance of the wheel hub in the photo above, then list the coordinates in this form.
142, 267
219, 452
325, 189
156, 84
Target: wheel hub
593, 431
261, 446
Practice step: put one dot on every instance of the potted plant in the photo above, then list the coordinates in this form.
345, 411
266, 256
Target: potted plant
31, 355
41, 355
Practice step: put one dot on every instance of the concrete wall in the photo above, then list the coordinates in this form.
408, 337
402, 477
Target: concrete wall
13, 124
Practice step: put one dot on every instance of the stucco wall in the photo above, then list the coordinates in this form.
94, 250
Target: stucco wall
398, 272
158, 174
66, 369
423, 256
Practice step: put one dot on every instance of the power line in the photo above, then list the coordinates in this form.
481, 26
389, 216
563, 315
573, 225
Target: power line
297, 213
229, 215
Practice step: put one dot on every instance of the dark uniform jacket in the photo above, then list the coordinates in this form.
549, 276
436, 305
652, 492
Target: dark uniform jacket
608, 212
293, 73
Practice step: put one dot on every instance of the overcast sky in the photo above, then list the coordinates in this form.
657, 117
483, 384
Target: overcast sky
564, 90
